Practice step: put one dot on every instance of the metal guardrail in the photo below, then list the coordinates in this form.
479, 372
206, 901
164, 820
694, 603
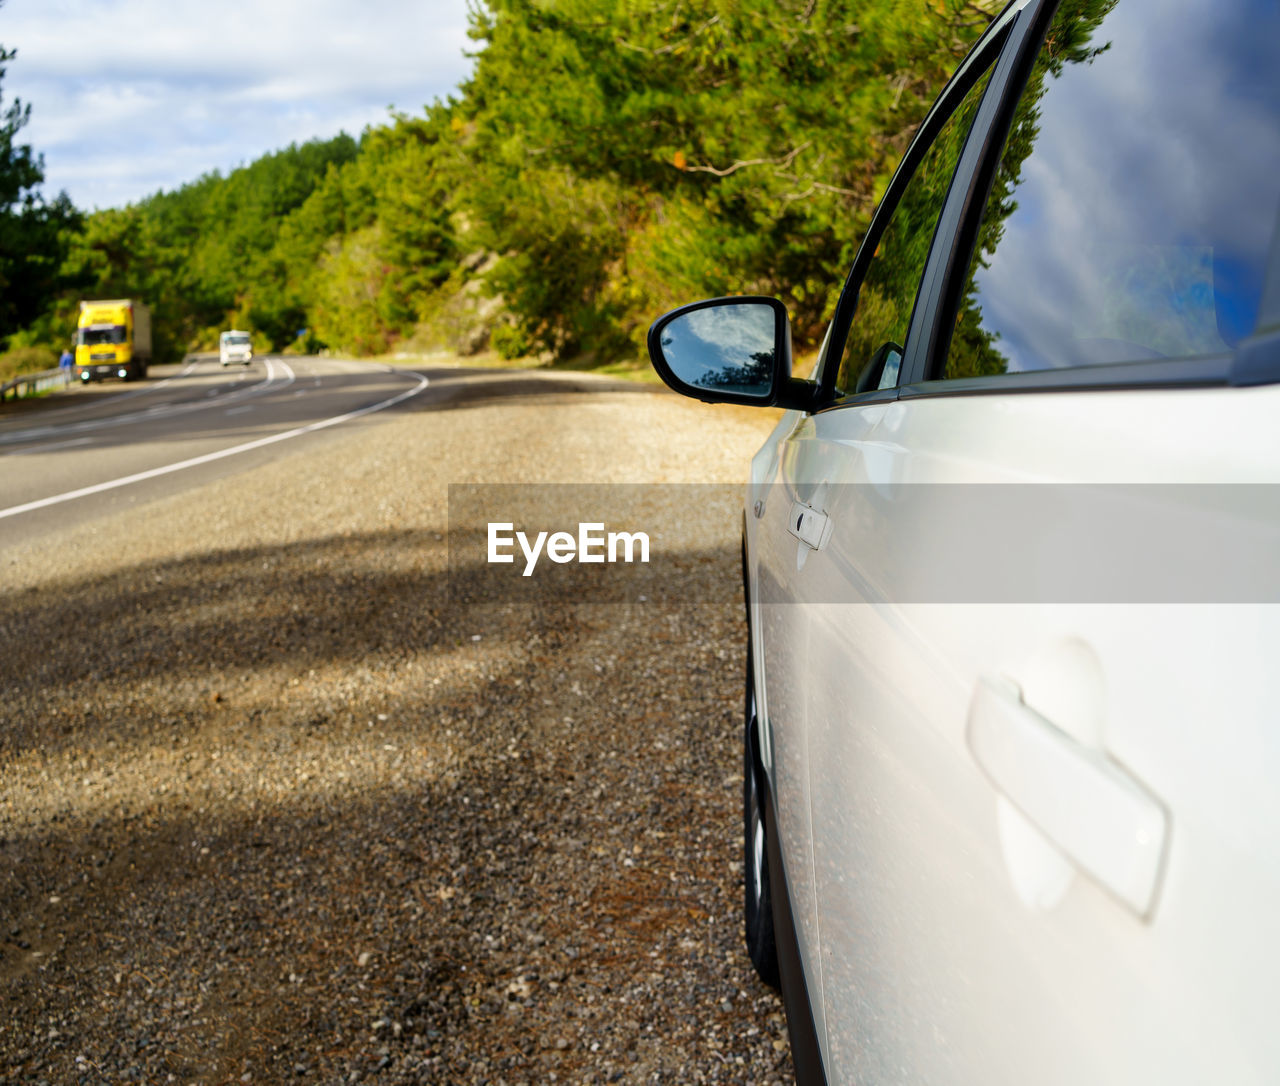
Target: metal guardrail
27, 383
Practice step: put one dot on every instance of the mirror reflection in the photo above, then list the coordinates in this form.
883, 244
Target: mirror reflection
725, 348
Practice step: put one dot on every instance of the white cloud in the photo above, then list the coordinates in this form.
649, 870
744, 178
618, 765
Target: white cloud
129, 96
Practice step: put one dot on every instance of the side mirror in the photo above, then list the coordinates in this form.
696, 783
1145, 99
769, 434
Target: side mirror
729, 350
882, 371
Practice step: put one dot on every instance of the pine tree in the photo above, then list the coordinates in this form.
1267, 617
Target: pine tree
32, 232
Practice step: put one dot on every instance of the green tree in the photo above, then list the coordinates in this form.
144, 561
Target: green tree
606, 160
33, 234
748, 140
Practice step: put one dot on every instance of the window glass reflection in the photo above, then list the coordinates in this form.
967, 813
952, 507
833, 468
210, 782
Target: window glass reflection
888, 292
103, 333
1136, 197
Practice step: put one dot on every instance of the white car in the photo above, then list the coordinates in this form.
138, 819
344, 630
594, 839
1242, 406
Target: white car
1012, 563
235, 346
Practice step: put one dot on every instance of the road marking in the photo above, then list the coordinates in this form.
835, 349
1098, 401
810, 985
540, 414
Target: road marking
155, 385
268, 384
17, 436
208, 458
50, 448
238, 410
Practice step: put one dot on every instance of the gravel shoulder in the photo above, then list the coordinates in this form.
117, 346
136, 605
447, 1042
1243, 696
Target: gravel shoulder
272, 807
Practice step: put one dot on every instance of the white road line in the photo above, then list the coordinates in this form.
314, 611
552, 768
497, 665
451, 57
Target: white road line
16, 436
238, 410
169, 380
208, 458
268, 384
152, 386
50, 448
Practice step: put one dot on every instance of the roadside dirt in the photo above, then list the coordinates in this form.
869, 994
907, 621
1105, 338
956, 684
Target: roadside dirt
275, 805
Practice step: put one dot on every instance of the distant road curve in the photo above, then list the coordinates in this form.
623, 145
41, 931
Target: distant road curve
90, 449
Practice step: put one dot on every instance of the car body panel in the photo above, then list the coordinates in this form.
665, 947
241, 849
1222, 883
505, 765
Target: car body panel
933, 912
782, 626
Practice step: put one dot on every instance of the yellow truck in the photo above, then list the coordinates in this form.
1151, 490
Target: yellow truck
113, 339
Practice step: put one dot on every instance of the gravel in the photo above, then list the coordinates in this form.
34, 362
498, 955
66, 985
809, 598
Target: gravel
272, 808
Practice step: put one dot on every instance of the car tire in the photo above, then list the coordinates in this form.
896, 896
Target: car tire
758, 901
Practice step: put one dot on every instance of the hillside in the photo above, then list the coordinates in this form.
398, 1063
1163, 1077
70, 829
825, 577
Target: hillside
605, 162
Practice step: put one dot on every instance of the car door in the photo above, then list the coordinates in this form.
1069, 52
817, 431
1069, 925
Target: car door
1039, 698
802, 467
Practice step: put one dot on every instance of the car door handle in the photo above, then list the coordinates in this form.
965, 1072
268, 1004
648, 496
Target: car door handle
809, 525
1091, 809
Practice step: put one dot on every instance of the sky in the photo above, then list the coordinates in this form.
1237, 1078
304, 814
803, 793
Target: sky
132, 96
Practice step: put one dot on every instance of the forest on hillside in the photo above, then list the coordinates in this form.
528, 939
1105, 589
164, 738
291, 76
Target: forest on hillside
606, 161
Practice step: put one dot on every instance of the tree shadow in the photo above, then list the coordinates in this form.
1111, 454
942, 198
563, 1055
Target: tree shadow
170, 635
485, 831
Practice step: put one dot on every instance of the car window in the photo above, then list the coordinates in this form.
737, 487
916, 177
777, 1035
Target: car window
1136, 196
873, 349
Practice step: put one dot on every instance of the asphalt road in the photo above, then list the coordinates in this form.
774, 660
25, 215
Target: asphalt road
96, 449
279, 805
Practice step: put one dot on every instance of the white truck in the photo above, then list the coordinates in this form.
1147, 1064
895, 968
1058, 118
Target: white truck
234, 346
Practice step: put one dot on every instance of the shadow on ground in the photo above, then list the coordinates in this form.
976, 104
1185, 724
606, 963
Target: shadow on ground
295, 816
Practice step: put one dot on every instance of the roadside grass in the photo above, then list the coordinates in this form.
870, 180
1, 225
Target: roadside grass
634, 368
20, 360
631, 369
